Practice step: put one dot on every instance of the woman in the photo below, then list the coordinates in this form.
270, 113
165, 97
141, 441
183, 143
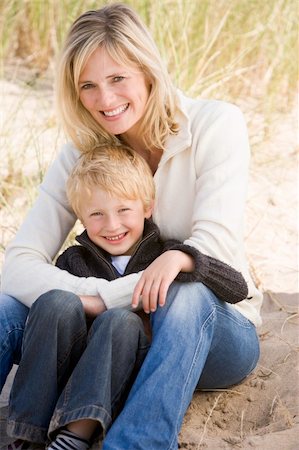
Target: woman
113, 87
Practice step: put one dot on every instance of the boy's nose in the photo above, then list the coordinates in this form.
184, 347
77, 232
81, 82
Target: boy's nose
112, 223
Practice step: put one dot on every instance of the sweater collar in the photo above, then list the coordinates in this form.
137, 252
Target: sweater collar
178, 142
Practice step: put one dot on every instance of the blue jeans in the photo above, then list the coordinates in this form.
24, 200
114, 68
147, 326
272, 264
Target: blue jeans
70, 371
198, 342
13, 316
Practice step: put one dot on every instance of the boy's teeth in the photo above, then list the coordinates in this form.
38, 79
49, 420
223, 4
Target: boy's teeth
115, 238
115, 111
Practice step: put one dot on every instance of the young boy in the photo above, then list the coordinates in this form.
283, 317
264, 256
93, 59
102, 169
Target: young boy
112, 192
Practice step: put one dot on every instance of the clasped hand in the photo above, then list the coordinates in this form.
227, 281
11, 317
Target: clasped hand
154, 283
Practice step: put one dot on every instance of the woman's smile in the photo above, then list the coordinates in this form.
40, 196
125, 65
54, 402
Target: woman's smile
115, 112
115, 95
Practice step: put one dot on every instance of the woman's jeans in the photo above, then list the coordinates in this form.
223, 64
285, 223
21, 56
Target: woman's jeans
69, 372
198, 342
13, 316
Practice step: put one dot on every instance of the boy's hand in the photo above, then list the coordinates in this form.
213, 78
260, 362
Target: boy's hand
153, 286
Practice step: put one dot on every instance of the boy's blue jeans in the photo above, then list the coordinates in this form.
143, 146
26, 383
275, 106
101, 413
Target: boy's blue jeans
199, 342
68, 372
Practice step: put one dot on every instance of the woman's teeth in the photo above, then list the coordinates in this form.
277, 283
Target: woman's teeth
116, 111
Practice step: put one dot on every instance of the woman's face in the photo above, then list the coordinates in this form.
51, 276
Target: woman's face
115, 95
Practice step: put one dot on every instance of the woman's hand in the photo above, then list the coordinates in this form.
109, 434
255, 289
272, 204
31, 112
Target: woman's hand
93, 305
153, 286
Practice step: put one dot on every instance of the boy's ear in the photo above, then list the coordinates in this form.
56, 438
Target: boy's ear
149, 210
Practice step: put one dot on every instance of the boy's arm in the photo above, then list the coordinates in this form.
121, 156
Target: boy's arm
185, 263
226, 282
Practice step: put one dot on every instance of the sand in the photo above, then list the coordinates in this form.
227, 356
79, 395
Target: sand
263, 411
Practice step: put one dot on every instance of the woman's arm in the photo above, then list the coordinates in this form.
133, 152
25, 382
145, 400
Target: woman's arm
226, 282
221, 157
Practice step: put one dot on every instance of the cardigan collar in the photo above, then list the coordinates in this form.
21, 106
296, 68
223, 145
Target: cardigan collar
182, 140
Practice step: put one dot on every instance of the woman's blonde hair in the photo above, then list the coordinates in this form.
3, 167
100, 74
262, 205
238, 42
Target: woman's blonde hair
117, 170
118, 29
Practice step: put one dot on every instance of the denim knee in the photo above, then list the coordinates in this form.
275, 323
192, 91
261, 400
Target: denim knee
120, 320
57, 304
124, 327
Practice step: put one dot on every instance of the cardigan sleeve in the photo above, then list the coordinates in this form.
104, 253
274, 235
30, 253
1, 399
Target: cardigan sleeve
222, 156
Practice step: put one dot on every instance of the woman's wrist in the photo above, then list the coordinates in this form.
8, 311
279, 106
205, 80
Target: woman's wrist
93, 305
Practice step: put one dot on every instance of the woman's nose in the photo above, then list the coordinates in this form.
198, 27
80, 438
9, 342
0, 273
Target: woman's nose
105, 98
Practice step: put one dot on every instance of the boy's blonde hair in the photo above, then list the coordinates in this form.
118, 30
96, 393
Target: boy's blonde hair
117, 170
118, 29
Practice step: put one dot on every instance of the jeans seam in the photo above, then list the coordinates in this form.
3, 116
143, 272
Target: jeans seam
6, 342
15, 329
119, 391
195, 356
94, 412
242, 321
62, 359
7, 345
26, 431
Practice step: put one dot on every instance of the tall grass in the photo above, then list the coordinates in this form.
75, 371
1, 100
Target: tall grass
222, 48
244, 51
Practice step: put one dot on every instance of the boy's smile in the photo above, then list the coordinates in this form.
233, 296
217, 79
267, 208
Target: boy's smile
114, 224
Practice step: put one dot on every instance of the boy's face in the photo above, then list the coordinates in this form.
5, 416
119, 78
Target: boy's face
114, 224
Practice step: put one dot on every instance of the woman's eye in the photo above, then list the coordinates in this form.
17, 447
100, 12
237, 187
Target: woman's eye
87, 86
96, 214
124, 210
118, 78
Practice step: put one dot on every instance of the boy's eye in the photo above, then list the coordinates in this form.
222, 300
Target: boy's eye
97, 213
124, 209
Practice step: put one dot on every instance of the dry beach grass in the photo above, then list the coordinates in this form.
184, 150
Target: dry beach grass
241, 51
